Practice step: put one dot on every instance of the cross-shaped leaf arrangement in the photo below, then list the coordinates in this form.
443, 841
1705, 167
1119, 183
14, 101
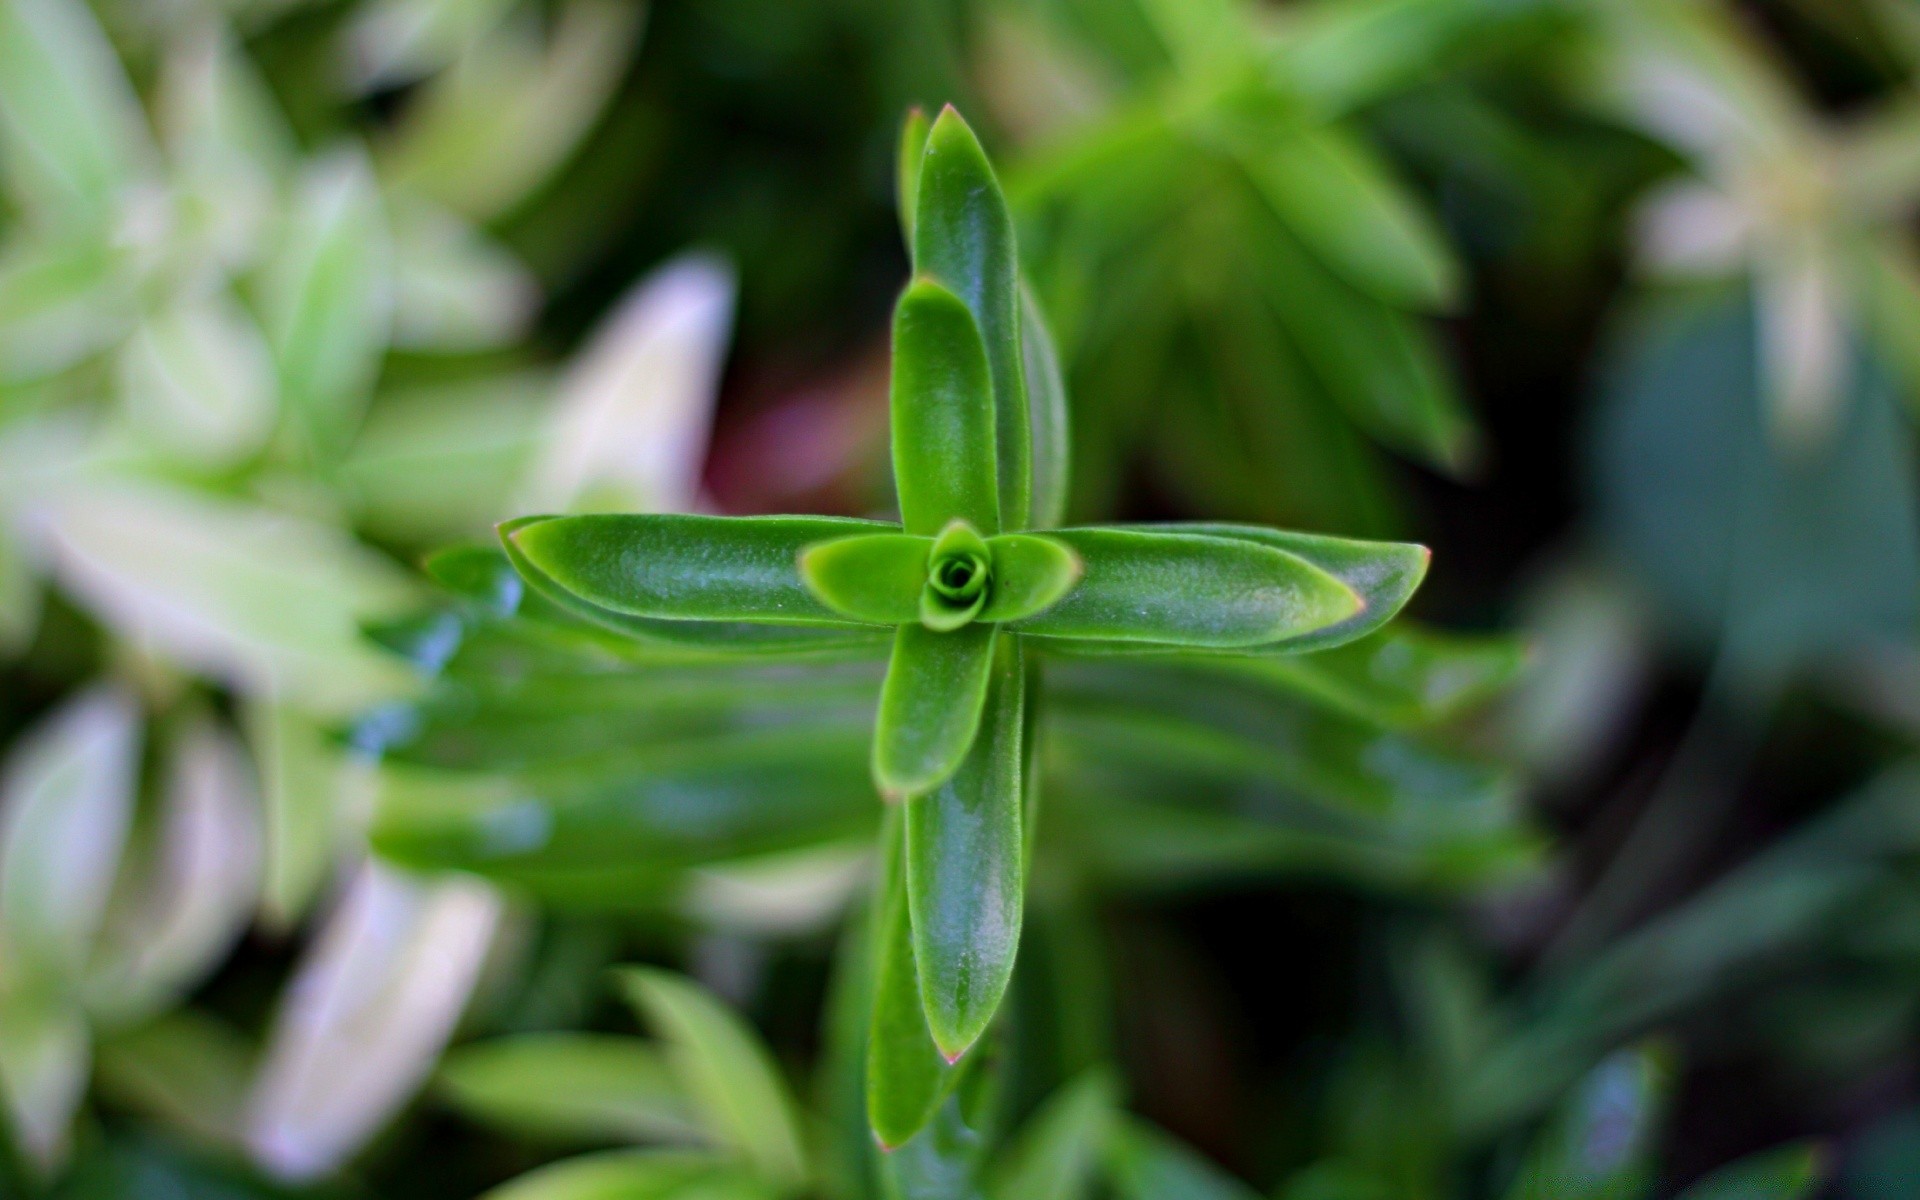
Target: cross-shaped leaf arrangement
969, 589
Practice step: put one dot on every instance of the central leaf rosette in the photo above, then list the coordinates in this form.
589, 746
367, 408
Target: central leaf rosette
943, 582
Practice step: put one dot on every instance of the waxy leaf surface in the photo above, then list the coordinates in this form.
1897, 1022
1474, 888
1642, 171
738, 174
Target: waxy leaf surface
943, 414
874, 577
1185, 589
965, 873
930, 706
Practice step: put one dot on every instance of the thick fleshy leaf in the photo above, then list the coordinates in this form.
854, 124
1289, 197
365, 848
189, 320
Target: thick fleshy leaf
637, 1175
1145, 1164
966, 876
1786, 1173
1060, 1150
685, 568
570, 1086
871, 577
725, 1068
1383, 574
1051, 425
930, 706
1185, 589
907, 1078
74, 135
943, 414
1030, 574
829, 635
963, 239
906, 187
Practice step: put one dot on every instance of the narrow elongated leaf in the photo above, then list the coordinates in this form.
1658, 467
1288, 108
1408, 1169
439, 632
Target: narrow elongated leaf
872, 577
1187, 589
66, 801
1051, 425
1384, 574
74, 135
1061, 1148
943, 414
1398, 677
455, 288
828, 635
1603, 1141
725, 1068
60, 301
1146, 1164
913, 149
184, 898
366, 1016
636, 1175
44, 1057
198, 382
574, 1086
1786, 1173
930, 706
302, 778
966, 876
963, 239
185, 1069
684, 568
907, 1076
1030, 574
1340, 200
328, 299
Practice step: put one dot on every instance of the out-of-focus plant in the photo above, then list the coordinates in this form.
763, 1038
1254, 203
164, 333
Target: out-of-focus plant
206, 333
1243, 283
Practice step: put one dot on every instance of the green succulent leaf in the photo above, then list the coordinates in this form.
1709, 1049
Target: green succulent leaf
965, 872
963, 239
684, 568
1030, 575
943, 414
565, 605
930, 706
1190, 590
907, 1076
874, 577
724, 1066
1383, 574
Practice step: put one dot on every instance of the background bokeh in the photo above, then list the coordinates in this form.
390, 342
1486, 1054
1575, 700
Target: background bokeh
1615, 304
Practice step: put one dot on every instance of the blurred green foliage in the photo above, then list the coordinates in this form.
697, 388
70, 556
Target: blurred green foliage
1615, 302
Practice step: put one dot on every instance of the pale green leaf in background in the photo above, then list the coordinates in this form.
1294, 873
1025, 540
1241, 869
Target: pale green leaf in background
583, 1087
629, 428
327, 296
44, 1056
304, 780
185, 1069
637, 1175
198, 382
367, 1014
66, 801
724, 1066
190, 885
72, 135
455, 288
266, 601
485, 134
